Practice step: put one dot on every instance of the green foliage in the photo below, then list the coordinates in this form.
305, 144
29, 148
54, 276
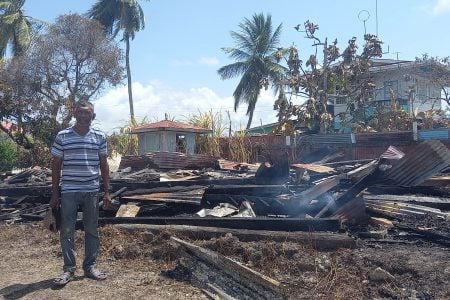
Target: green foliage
256, 60
208, 143
15, 27
240, 148
326, 73
41, 87
123, 142
120, 15
8, 154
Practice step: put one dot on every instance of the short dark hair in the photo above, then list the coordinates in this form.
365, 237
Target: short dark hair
84, 104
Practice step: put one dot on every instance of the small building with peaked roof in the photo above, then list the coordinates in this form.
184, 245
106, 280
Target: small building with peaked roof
167, 136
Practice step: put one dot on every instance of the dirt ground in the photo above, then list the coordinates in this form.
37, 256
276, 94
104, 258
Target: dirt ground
144, 266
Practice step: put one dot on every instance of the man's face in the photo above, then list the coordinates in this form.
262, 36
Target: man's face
84, 115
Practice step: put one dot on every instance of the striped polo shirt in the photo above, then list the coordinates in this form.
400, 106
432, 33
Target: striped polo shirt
81, 162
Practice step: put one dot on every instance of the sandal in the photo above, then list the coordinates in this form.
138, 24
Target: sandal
64, 278
95, 274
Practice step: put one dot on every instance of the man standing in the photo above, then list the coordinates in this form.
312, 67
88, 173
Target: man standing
79, 151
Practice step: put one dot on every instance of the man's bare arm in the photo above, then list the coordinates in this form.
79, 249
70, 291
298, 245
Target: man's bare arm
56, 176
104, 168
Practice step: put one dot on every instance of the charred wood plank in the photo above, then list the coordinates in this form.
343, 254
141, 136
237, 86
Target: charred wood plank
429, 234
151, 198
187, 196
255, 281
349, 195
317, 240
16, 190
441, 203
312, 193
247, 189
403, 190
258, 223
117, 184
167, 189
118, 193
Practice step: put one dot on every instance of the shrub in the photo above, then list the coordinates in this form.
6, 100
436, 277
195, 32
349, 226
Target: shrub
8, 154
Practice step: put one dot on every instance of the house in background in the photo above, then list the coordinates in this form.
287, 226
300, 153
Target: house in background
167, 136
399, 75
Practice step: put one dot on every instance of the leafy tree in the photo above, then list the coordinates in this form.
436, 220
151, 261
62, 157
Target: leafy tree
324, 74
16, 28
120, 15
437, 71
73, 60
256, 44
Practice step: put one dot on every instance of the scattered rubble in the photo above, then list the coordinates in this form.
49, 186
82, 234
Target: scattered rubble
333, 204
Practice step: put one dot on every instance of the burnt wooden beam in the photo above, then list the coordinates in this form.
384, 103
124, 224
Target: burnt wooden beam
403, 190
259, 284
134, 185
435, 202
316, 240
348, 196
165, 189
429, 234
315, 191
258, 223
247, 189
118, 193
18, 190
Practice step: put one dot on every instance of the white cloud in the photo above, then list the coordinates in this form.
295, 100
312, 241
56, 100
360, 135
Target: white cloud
155, 99
181, 63
441, 7
211, 61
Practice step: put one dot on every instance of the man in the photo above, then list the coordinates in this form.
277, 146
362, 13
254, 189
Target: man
79, 151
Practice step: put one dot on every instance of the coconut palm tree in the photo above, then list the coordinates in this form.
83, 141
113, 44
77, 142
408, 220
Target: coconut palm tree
256, 44
120, 15
15, 27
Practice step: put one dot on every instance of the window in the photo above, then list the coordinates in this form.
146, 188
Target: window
181, 143
388, 86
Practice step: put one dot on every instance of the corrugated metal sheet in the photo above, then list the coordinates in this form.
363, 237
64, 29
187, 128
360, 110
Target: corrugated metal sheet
177, 160
384, 138
366, 152
427, 159
438, 134
331, 138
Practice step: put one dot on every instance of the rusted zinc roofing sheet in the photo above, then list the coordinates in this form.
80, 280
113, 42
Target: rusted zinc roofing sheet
421, 163
177, 160
328, 138
385, 138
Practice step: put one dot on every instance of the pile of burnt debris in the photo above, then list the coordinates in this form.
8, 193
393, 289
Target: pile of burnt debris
329, 203
388, 199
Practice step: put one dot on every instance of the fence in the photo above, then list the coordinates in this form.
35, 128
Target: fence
353, 146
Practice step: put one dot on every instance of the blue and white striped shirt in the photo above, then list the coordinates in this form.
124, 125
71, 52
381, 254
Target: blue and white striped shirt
81, 159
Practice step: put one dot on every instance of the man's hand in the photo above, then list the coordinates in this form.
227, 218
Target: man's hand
106, 200
54, 200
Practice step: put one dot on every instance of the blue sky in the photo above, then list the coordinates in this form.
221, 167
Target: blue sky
175, 58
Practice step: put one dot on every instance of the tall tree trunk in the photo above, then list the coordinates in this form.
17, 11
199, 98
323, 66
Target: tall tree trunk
130, 92
250, 118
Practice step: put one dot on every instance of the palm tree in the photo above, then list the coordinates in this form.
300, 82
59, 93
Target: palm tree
120, 15
15, 27
256, 43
